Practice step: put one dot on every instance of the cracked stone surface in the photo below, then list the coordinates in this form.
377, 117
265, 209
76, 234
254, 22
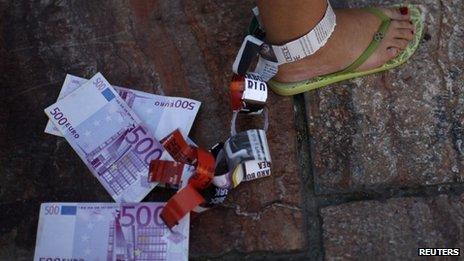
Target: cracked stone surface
381, 175
394, 229
399, 128
164, 47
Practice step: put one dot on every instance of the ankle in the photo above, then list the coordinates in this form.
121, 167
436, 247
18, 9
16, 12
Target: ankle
285, 22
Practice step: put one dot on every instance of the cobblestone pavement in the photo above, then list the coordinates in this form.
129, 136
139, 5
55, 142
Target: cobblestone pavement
366, 169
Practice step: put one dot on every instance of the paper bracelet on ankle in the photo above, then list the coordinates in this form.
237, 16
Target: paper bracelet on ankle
306, 45
292, 51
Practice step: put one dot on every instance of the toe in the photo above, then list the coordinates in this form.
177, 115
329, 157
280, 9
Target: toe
400, 13
402, 24
403, 34
399, 43
392, 52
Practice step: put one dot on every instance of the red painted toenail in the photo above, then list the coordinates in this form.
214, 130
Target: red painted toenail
412, 32
404, 10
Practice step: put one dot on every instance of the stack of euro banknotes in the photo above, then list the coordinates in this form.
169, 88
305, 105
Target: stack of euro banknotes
115, 131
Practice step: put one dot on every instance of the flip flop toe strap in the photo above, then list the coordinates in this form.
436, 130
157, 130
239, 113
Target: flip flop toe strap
378, 36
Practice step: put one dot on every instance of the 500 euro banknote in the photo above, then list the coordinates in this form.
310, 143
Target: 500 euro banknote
109, 137
108, 231
161, 114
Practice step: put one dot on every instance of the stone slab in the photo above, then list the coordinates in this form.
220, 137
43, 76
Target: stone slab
400, 128
164, 47
393, 229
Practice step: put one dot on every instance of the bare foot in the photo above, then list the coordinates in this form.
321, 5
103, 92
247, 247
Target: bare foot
354, 32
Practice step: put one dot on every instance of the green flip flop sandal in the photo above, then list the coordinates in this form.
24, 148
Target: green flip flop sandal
287, 89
